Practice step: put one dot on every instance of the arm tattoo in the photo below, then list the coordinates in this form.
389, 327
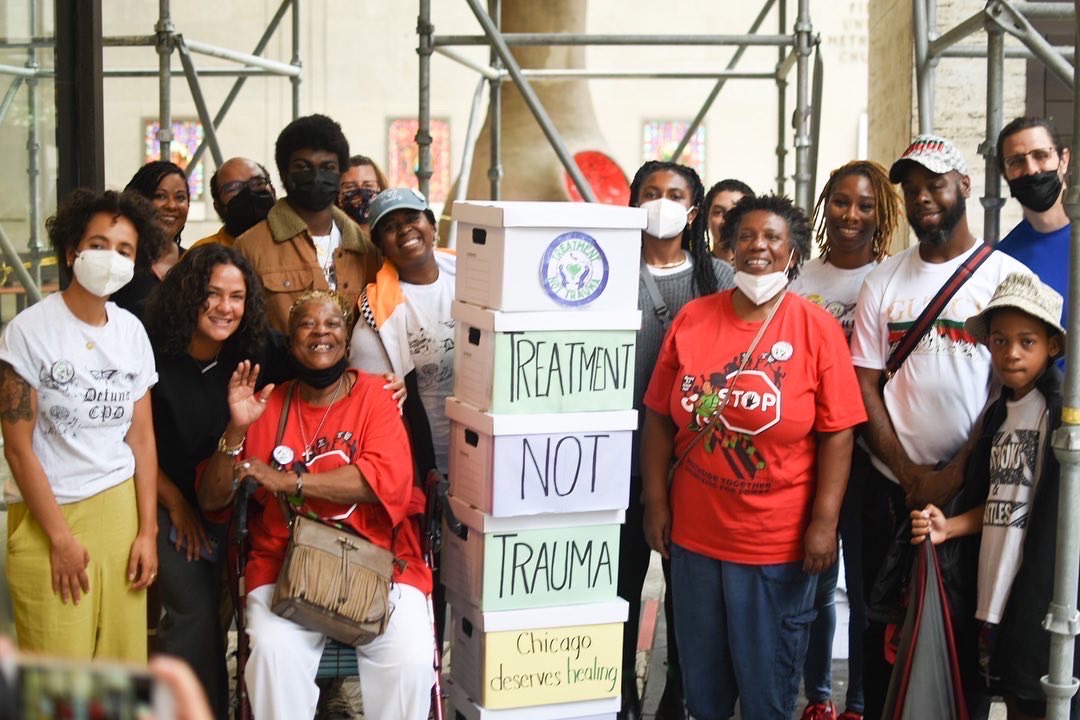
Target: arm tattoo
14, 395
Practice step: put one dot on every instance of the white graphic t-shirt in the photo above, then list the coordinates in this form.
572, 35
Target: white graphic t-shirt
325, 245
431, 345
939, 392
87, 380
1014, 472
835, 289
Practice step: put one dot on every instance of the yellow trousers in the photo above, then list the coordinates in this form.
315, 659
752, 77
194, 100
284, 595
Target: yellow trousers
109, 621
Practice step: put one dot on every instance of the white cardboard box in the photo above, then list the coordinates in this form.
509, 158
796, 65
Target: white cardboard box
523, 256
544, 362
521, 658
533, 560
460, 707
507, 465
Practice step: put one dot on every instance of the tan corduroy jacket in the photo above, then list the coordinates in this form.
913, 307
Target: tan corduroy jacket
283, 255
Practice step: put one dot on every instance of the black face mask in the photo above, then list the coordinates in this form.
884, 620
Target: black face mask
246, 210
314, 189
357, 202
319, 379
1037, 192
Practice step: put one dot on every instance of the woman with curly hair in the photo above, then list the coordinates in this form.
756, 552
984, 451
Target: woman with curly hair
207, 316
750, 413
855, 218
75, 371
676, 267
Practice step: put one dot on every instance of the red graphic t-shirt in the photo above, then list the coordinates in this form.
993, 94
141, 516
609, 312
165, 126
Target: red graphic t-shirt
745, 491
365, 429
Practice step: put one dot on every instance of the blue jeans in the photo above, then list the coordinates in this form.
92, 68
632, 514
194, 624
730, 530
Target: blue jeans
742, 632
817, 671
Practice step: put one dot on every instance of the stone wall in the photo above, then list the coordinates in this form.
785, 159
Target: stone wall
960, 101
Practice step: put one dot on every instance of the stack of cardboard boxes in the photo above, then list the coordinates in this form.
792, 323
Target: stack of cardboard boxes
541, 424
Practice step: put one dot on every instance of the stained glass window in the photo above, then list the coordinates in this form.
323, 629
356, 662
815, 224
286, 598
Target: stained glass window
405, 157
187, 136
661, 137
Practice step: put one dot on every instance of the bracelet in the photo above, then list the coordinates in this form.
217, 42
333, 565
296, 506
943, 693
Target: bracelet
224, 448
299, 484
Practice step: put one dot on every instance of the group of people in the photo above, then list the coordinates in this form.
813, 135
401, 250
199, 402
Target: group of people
919, 404
128, 433
777, 424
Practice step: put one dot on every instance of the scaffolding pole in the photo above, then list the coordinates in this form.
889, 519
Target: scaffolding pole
992, 201
33, 155
425, 30
803, 44
294, 80
532, 101
732, 64
164, 29
793, 52
781, 105
996, 19
234, 91
1062, 619
495, 170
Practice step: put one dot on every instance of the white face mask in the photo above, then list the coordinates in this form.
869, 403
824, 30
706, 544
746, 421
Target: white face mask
760, 289
102, 272
667, 218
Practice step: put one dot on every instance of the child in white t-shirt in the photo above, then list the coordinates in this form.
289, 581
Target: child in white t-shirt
1014, 469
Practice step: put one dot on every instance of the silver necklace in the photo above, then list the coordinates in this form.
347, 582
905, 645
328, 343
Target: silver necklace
308, 454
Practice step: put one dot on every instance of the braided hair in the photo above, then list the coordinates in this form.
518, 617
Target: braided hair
887, 206
693, 235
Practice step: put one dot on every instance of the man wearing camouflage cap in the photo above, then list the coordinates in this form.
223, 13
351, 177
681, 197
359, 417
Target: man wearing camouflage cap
920, 417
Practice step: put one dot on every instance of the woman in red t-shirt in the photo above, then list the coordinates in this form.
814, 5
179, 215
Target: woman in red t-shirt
763, 442
353, 465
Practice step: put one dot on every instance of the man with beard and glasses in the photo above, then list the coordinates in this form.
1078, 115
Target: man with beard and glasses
920, 418
243, 194
1035, 165
306, 242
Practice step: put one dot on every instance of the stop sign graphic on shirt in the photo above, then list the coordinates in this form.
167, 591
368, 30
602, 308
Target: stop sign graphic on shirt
754, 405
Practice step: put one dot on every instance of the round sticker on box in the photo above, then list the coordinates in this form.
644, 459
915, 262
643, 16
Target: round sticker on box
574, 270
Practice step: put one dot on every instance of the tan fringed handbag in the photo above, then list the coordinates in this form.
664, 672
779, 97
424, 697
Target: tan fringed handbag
333, 581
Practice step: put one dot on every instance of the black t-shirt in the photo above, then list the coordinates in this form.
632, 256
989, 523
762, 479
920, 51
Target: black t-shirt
191, 410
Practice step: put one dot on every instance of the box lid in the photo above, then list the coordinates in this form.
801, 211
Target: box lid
539, 423
569, 215
610, 611
480, 520
580, 709
499, 321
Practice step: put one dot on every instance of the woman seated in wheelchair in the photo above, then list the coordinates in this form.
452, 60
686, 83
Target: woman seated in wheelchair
328, 446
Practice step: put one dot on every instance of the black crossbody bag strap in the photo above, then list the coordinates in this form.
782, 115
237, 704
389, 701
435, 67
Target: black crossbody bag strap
930, 313
659, 306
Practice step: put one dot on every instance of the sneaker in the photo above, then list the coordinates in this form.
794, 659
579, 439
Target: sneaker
849, 715
820, 711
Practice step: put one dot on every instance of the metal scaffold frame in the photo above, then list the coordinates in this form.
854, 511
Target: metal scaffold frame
793, 50
1014, 17
165, 40
996, 19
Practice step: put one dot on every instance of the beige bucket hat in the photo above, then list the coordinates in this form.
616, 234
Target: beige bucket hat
1024, 292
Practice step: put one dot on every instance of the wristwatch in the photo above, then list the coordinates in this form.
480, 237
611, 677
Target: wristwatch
224, 448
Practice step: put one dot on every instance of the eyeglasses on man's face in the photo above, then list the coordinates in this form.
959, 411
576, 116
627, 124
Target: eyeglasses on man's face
257, 183
1039, 155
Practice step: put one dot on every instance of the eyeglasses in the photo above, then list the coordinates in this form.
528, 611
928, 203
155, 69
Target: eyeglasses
256, 184
1039, 155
